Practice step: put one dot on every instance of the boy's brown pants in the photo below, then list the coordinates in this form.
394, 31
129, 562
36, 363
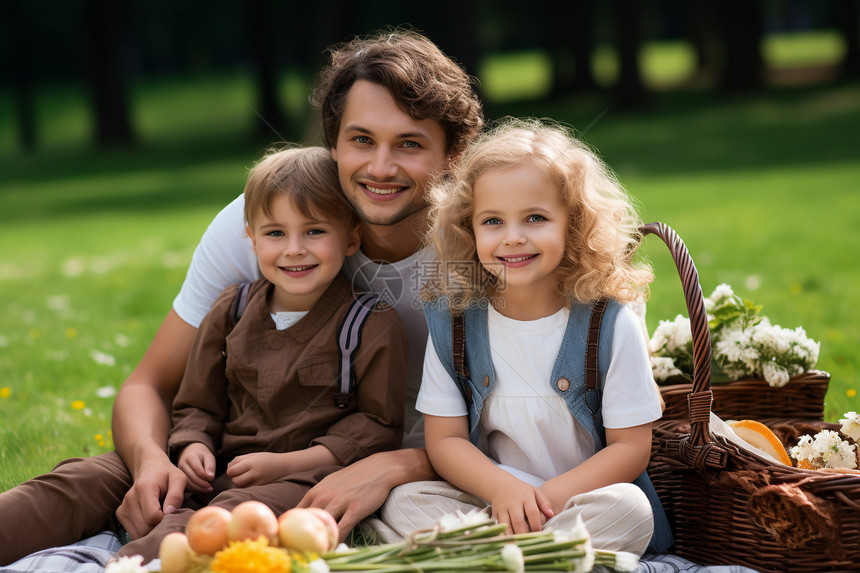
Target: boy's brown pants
79, 498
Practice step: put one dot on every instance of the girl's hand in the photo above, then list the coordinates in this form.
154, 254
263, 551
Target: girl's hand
198, 465
521, 506
257, 468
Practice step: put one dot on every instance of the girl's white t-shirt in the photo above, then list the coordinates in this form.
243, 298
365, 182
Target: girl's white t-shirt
527, 427
225, 256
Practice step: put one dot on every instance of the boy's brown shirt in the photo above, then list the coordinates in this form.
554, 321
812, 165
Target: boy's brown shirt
274, 391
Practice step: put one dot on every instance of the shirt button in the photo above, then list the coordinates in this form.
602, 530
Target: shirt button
563, 384
486, 381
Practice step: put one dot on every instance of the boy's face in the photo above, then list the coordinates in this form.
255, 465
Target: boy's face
384, 157
300, 255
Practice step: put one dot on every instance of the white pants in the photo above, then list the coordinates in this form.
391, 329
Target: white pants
618, 517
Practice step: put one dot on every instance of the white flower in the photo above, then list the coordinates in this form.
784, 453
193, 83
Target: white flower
58, 302
102, 358
776, 375
851, 425
744, 343
625, 561
106, 392
585, 563
318, 566
126, 565
342, 548
803, 450
663, 367
826, 443
826, 450
843, 457
578, 531
671, 335
512, 558
721, 293
451, 522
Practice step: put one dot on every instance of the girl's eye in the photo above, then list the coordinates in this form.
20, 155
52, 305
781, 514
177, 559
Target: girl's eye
535, 218
316, 232
492, 221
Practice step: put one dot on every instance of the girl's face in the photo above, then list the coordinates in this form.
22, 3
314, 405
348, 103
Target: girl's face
300, 255
520, 224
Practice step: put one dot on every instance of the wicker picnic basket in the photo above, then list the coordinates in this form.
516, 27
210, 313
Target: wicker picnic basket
730, 506
754, 399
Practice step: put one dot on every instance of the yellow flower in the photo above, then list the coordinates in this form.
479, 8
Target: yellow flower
100, 440
71, 332
5, 392
851, 392
251, 557
78, 404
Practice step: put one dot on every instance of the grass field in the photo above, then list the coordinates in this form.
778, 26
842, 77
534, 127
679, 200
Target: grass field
765, 191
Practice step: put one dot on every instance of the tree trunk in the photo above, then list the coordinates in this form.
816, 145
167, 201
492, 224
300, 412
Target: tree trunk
571, 44
701, 30
630, 90
106, 36
741, 26
848, 22
23, 85
261, 21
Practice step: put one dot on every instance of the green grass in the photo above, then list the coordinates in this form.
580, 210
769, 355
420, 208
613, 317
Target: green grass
763, 190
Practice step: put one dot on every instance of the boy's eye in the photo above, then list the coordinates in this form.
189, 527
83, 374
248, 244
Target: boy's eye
535, 218
275, 234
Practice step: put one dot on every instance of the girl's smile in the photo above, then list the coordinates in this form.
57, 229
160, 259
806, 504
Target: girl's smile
515, 261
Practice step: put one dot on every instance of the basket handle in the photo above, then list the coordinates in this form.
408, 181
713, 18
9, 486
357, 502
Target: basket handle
698, 449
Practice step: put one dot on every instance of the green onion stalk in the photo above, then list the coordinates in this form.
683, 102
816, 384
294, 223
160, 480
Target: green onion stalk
473, 542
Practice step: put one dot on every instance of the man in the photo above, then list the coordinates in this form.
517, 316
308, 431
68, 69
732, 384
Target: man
396, 111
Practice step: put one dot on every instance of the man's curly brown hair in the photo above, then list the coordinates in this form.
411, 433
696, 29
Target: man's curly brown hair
425, 83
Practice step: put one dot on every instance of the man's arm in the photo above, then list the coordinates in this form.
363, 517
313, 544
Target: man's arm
356, 491
141, 421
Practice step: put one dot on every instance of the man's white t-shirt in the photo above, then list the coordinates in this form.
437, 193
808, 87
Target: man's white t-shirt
225, 257
527, 427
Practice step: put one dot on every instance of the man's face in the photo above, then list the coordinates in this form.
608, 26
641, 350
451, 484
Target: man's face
384, 157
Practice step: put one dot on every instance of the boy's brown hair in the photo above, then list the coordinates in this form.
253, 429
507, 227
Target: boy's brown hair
425, 83
307, 174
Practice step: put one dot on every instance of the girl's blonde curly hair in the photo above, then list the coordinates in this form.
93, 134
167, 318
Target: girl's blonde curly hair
603, 231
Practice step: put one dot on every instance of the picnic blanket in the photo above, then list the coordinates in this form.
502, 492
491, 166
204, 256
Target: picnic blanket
92, 554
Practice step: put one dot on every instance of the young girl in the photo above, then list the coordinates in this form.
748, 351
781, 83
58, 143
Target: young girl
531, 229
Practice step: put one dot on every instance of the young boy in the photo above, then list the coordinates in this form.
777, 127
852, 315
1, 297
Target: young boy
271, 401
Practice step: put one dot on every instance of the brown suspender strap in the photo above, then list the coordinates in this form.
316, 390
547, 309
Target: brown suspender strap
458, 341
591, 354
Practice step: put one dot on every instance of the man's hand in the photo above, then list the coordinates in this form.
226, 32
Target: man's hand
350, 494
356, 491
141, 509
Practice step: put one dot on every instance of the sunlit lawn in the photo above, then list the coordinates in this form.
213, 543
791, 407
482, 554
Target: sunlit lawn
764, 191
